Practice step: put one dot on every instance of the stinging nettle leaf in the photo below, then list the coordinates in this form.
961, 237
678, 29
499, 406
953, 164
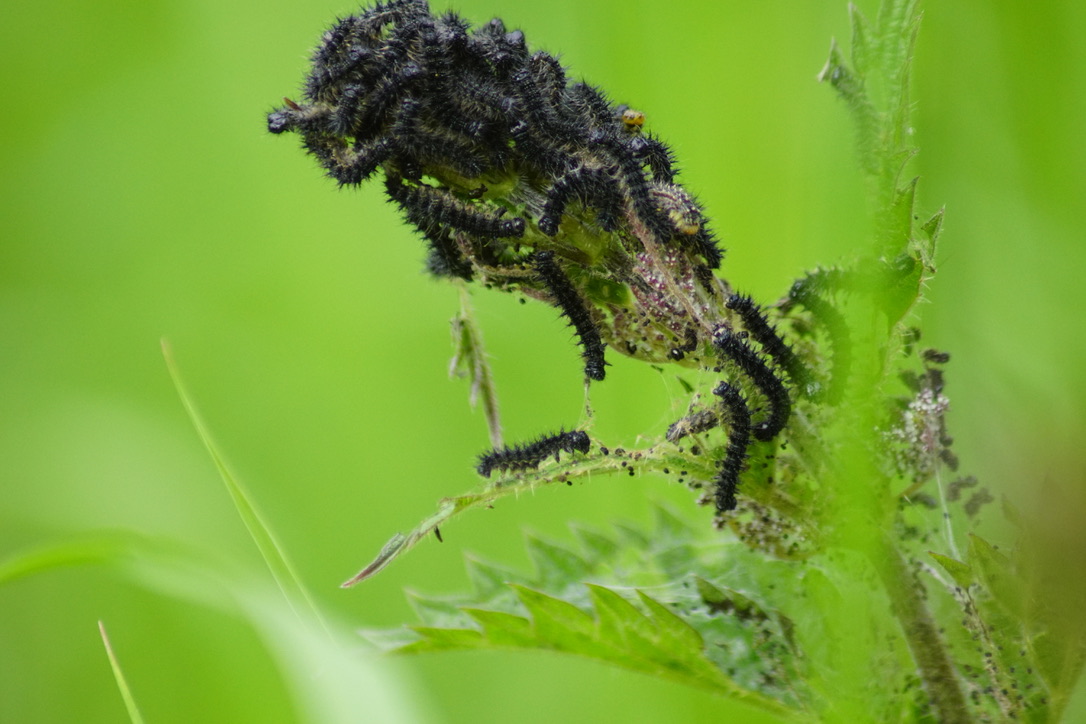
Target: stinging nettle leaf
631, 536
434, 612
668, 525
960, 572
672, 629
557, 621
728, 601
667, 632
505, 629
556, 563
489, 579
997, 575
862, 51
595, 544
443, 639
620, 620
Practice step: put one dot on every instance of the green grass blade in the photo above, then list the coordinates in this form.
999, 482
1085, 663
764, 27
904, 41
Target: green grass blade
122, 684
99, 549
270, 549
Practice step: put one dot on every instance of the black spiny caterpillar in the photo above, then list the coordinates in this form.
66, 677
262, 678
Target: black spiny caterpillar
780, 407
430, 208
569, 301
729, 469
530, 455
762, 331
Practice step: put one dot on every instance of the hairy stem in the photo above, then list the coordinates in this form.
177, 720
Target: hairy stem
922, 634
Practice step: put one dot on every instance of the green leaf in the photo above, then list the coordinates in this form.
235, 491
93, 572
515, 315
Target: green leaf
619, 620
122, 683
668, 631
729, 602
669, 525
444, 639
102, 548
631, 536
930, 231
863, 52
899, 222
850, 86
671, 629
960, 572
933, 227
330, 682
435, 612
837, 73
1052, 656
997, 575
401, 543
389, 640
561, 624
488, 579
556, 563
596, 544
512, 483
504, 630
270, 549
659, 643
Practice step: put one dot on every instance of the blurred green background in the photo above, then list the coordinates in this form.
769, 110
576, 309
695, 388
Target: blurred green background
142, 198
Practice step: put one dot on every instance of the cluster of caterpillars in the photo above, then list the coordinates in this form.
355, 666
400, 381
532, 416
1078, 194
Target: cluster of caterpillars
489, 151
446, 112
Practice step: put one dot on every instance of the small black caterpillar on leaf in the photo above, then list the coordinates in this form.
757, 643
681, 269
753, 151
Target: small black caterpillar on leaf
530, 455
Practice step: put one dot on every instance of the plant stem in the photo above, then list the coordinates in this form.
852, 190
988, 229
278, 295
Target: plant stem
929, 652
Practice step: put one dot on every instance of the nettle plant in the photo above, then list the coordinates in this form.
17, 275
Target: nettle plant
814, 424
